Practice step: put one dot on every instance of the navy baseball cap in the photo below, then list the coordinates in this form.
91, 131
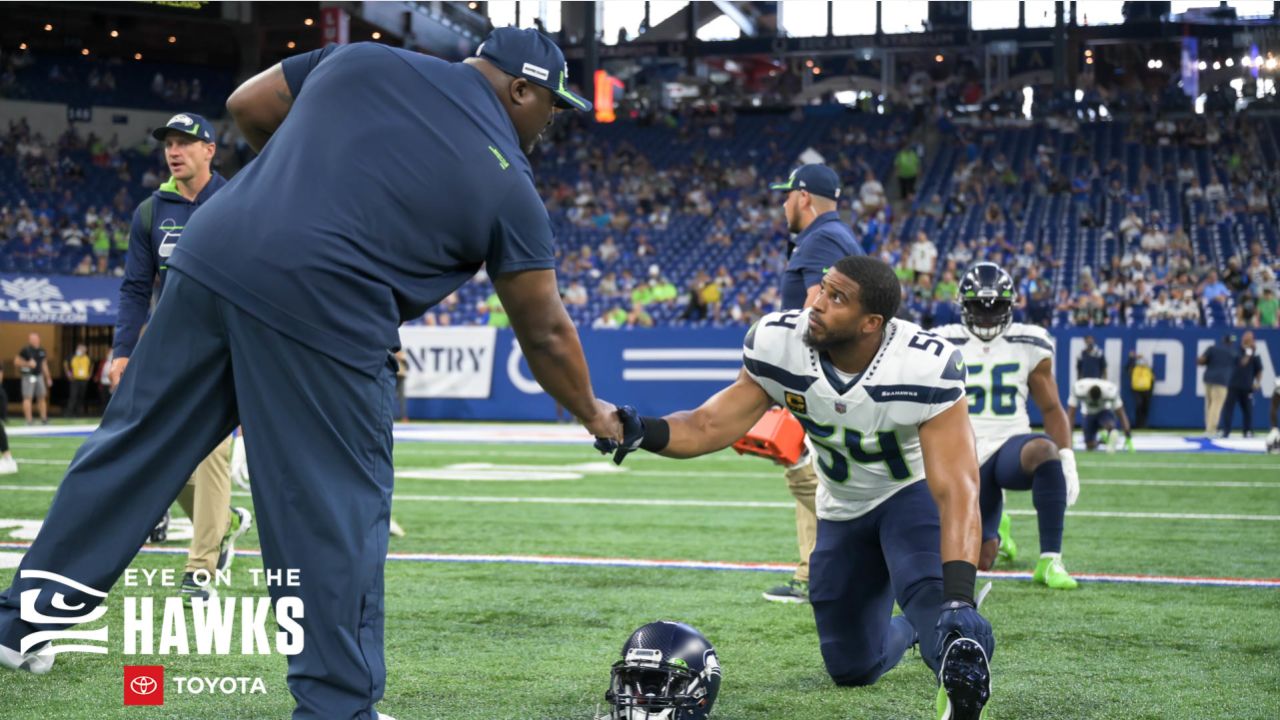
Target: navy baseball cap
188, 123
527, 53
815, 179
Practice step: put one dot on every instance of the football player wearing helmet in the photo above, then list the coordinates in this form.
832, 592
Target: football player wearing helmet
1007, 363
668, 671
1273, 437
1099, 401
882, 403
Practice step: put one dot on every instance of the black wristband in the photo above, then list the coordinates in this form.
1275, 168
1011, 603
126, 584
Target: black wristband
657, 434
958, 579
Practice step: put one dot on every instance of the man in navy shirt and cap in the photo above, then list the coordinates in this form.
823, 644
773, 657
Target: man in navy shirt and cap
821, 239
157, 227
386, 179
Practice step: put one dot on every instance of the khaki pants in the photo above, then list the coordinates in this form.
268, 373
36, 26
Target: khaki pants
803, 484
206, 499
1215, 396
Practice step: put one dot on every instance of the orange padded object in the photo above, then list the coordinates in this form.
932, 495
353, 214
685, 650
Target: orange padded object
777, 436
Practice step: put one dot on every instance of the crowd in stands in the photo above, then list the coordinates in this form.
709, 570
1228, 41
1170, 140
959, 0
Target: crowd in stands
666, 219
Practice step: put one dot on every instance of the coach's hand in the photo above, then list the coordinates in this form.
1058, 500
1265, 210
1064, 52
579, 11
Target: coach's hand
632, 434
117, 371
605, 425
959, 618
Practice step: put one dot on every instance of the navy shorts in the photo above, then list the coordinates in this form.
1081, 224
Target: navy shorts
1104, 419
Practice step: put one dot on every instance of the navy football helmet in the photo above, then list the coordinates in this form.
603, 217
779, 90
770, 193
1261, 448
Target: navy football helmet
986, 300
668, 671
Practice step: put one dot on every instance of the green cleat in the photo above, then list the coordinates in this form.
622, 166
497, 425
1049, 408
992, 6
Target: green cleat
964, 682
1008, 548
1051, 573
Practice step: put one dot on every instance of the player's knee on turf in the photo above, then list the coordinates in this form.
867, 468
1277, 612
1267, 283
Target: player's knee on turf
1037, 452
847, 671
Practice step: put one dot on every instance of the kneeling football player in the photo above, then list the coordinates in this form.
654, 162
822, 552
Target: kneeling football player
883, 404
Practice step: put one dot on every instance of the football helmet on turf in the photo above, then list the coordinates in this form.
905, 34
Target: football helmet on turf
668, 671
986, 300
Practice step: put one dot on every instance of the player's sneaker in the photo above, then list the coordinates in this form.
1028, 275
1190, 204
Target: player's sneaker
396, 530
1008, 548
160, 532
8, 465
241, 521
191, 590
36, 662
795, 591
382, 716
964, 681
1052, 573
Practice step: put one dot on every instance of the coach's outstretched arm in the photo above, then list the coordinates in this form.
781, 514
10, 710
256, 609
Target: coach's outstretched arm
715, 425
550, 345
951, 469
260, 104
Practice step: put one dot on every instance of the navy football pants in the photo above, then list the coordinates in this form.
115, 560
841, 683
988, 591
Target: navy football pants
1003, 471
859, 568
322, 478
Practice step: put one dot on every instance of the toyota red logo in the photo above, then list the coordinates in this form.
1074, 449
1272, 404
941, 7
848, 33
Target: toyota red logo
143, 685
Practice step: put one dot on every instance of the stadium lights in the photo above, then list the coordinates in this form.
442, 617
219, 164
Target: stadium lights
85, 51
1088, 53
376, 35
1203, 65
1088, 61
938, 58
137, 56
172, 39
308, 22
817, 71
473, 5
1231, 62
48, 27
808, 63
291, 45
115, 33
1217, 65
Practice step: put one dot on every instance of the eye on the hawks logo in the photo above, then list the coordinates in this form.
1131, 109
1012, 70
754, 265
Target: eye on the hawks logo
143, 684
60, 600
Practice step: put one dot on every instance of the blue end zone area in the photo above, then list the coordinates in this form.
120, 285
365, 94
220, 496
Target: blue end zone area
553, 434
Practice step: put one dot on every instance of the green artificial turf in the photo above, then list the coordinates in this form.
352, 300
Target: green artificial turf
530, 642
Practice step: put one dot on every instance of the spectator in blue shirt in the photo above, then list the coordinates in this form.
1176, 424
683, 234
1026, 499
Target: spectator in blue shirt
1214, 288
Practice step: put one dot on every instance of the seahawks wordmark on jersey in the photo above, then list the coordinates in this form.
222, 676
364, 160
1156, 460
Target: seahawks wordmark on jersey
997, 386
1109, 400
864, 430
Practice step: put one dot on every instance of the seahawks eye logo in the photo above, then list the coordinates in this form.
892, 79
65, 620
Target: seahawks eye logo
59, 609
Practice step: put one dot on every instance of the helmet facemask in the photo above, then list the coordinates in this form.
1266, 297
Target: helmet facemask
987, 317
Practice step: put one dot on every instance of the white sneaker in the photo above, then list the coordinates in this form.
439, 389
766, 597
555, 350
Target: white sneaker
8, 466
36, 662
396, 530
382, 716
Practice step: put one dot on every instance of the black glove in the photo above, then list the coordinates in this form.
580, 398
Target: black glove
960, 619
632, 434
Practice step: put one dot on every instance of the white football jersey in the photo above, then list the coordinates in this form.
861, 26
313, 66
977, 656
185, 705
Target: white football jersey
863, 431
998, 372
1110, 399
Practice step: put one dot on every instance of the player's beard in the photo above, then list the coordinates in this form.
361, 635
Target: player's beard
828, 341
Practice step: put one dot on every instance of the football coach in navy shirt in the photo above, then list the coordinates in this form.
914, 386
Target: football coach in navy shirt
386, 179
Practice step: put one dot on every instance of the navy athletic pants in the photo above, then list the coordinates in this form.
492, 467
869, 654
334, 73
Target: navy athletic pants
322, 479
859, 568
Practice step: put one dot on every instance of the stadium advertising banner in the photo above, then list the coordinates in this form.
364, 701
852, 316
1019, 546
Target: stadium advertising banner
58, 299
448, 362
660, 371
